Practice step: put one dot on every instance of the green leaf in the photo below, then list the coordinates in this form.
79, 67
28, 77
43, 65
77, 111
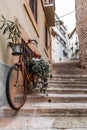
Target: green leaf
10, 21
2, 21
5, 30
18, 35
2, 26
11, 25
12, 28
3, 17
10, 37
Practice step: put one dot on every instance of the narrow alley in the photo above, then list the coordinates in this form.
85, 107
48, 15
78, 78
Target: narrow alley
63, 107
36, 43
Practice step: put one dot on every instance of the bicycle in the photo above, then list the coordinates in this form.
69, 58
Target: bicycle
18, 79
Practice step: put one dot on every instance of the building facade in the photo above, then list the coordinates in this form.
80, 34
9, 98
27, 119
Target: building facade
35, 19
73, 45
81, 29
59, 42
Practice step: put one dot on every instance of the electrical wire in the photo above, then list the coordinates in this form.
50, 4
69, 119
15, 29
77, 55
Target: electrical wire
67, 14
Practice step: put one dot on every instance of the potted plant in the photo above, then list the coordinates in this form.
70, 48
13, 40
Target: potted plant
12, 28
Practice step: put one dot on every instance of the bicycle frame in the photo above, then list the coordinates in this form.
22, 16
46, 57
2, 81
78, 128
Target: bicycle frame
19, 79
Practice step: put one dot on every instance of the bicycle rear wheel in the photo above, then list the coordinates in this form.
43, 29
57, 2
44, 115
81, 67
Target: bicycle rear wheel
15, 87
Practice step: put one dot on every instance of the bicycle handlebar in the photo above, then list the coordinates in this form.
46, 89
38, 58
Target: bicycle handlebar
32, 40
29, 42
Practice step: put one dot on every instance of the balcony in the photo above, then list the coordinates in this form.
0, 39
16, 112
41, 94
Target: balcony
49, 8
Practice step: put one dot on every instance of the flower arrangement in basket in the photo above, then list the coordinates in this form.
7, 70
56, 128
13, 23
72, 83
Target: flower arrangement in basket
40, 68
12, 29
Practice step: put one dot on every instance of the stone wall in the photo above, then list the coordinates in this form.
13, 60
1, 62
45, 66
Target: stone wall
81, 28
3, 75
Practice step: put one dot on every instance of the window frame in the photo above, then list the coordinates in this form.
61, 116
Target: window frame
46, 44
31, 16
46, 37
33, 6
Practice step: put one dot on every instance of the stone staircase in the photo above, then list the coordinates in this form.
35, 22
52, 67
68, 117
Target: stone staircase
66, 94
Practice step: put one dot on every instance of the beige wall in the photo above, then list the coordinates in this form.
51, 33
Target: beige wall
11, 8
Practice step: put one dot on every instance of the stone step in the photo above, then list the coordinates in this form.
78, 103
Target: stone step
65, 68
67, 90
27, 123
70, 76
60, 71
47, 109
57, 98
67, 85
67, 82
65, 64
68, 71
67, 79
60, 90
43, 123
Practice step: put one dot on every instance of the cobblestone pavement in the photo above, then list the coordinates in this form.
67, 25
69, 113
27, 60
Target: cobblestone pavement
43, 123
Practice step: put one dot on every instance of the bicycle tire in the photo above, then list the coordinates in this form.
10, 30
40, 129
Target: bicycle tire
15, 96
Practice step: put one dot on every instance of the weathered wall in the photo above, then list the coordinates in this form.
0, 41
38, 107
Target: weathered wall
3, 74
11, 8
8, 9
81, 28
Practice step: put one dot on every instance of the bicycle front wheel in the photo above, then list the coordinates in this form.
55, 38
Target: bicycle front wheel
15, 87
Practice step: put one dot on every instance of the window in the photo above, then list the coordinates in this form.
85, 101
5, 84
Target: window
33, 6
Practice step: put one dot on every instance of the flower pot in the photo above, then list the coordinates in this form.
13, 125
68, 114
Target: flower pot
16, 49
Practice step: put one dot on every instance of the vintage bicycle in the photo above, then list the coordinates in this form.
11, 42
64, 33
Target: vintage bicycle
19, 78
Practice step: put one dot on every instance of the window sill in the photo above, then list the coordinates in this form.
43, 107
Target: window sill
30, 14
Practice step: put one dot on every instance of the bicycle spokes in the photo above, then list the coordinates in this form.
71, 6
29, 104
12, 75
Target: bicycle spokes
16, 92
